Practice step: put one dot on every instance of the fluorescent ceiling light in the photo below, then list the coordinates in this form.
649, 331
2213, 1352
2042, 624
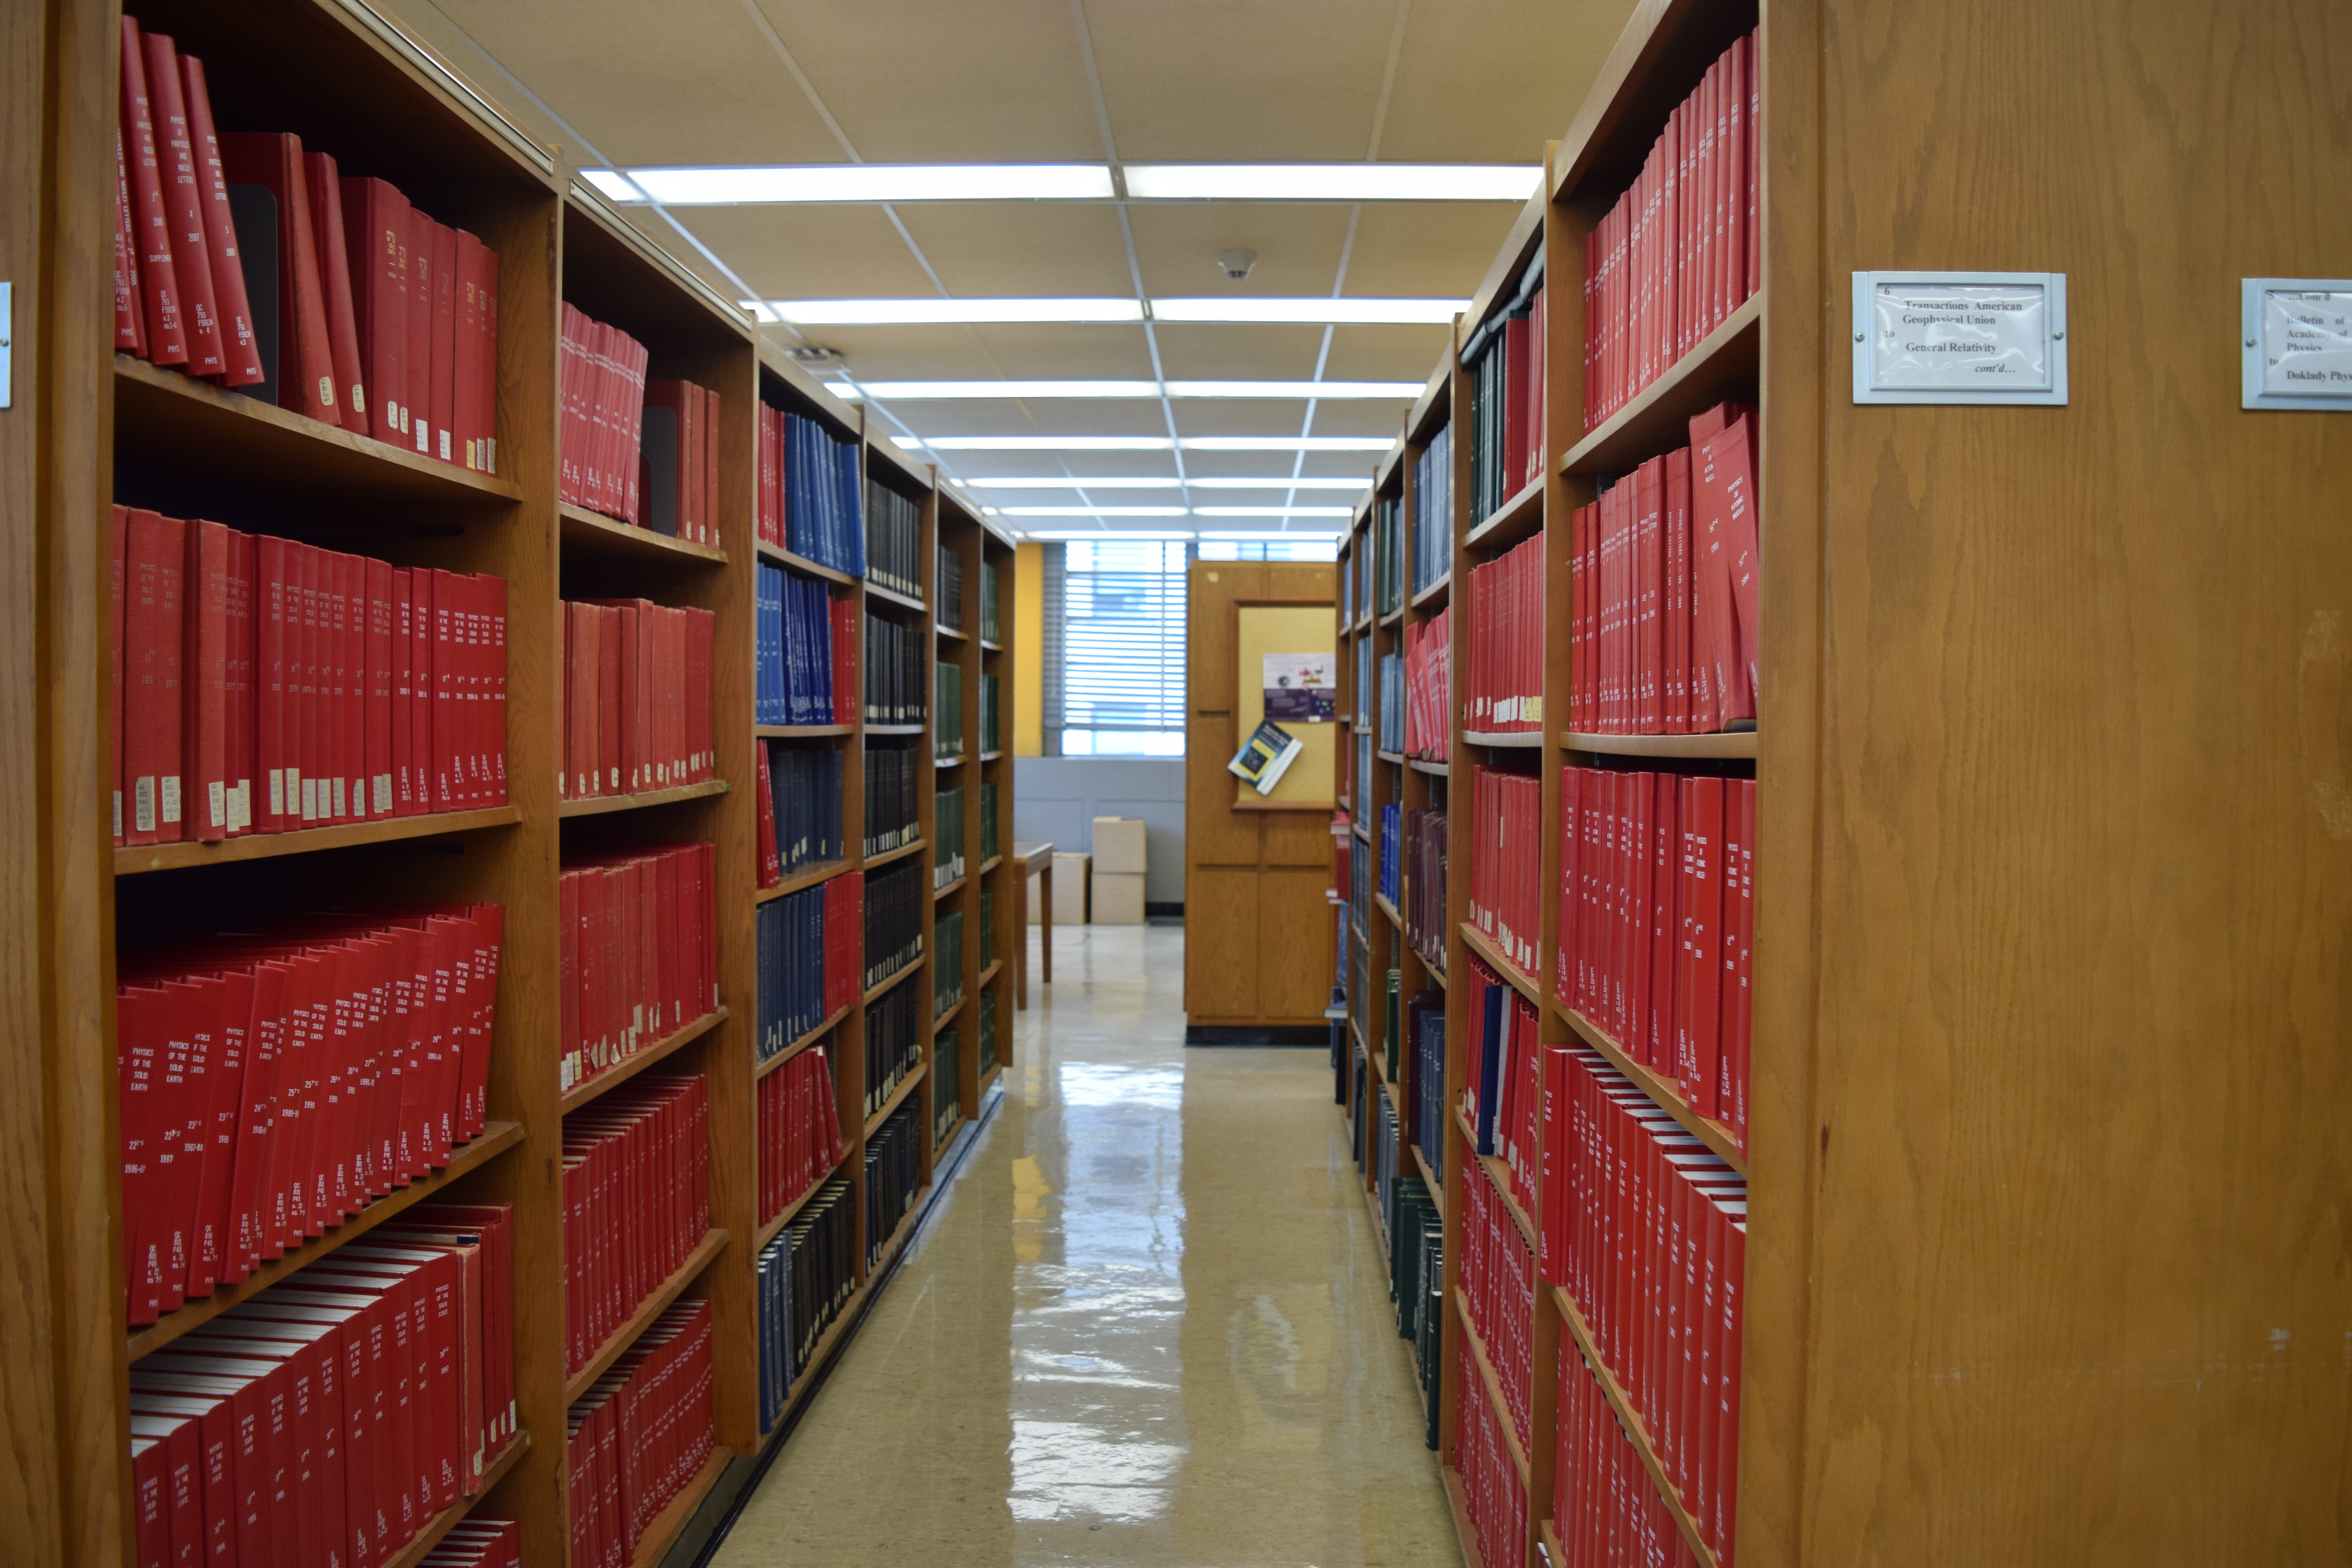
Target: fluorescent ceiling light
948, 313
614, 183
1066, 482
1274, 511
1287, 443
1066, 536
911, 391
1271, 533
1404, 390
1309, 311
1038, 443
1251, 482
1095, 511
760, 311
1332, 182
868, 182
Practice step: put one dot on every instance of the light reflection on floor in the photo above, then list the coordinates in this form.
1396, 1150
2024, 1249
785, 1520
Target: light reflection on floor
1150, 1326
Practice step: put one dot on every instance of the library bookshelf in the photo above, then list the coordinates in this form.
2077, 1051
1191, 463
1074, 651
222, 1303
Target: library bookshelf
350, 83
1978, 879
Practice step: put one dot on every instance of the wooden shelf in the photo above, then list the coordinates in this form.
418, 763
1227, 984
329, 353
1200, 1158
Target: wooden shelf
713, 1242
1722, 367
1466, 1533
806, 876
892, 596
897, 1097
1554, 1553
763, 1068
875, 993
1380, 902
900, 852
441, 1523
1394, 757
1521, 981
611, 537
1421, 1163
629, 1067
1494, 1381
775, 1228
800, 732
598, 804
654, 1545
957, 759
1630, 1419
943, 891
782, 557
991, 756
493, 1141
172, 421
1665, 1091
1393, 618
1513, 520
134, 859
1435, 593
894, 729
994, 966
946, 630
991, 864
988, 647
944, 1019
1434, 770
1499, 1174
1513, 740
1731, 744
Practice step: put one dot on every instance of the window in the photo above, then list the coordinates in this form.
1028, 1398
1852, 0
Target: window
1305, 547
1114, 649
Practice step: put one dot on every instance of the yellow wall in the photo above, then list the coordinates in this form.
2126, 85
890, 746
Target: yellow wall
1028, 651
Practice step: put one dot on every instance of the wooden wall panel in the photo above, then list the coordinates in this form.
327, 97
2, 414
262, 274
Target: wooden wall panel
1220, 952
1294, 942
1214, 833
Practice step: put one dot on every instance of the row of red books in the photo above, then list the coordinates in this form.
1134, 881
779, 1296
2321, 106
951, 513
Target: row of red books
1657, 922
1498, 1278
1505, 854
1508, 414
1663, 623
324, 1422
1507, 642
639, 1436
261, 685
636, 1202
270, 1086
800, 1130
1678, 253
1494, 1493
636, 698
640, 956
1608, 1510
373, 300
604, 398
1429, 686
1646, 1228
678, 462
1501, 1096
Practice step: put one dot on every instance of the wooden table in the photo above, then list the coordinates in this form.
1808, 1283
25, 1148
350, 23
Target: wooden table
1025, 856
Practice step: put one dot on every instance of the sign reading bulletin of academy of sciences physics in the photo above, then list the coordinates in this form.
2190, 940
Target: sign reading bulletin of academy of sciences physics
1959, 337
2295, 340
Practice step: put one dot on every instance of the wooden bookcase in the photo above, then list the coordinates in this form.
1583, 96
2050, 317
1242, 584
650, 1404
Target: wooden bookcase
350, 84
2048, 899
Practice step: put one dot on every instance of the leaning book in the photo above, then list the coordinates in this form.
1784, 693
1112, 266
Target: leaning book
1264, 756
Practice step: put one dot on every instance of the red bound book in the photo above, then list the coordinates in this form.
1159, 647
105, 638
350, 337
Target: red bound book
130, 325
1716, 623
584, 672
165, 332
487, 405
305, 367
240, 696
416, 366
713, 413
272, 738
1733, 453
1724, 1495
1674, 606
1515, 400
1663, 929
240, 347
494, 662
1591, 327
335, 275
441, 383
1703, 809
184, 207
376, 763
1736, 176
609, 734
472, 408
1743, 935
688, 464
153, 721
118, 528
205, 692
1650, 494
375, 241
424, 614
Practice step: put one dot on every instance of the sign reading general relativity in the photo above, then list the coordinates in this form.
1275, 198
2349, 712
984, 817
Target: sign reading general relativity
1959, 337
2296, 337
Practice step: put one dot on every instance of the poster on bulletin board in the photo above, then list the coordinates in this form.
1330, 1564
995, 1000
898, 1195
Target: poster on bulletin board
1282, 659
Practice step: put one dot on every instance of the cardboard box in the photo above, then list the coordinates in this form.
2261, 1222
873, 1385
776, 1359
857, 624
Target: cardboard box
1118, 845
1070, 889
1118, 897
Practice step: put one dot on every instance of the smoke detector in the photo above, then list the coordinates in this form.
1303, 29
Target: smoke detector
816, 358
1236, 264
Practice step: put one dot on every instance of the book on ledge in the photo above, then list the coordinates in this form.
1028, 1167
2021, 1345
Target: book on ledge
1266, 756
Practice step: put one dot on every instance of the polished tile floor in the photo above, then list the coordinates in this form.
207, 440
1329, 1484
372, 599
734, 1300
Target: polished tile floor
1148, 1324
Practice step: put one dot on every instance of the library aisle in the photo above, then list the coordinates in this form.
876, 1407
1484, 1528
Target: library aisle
1160, 1266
